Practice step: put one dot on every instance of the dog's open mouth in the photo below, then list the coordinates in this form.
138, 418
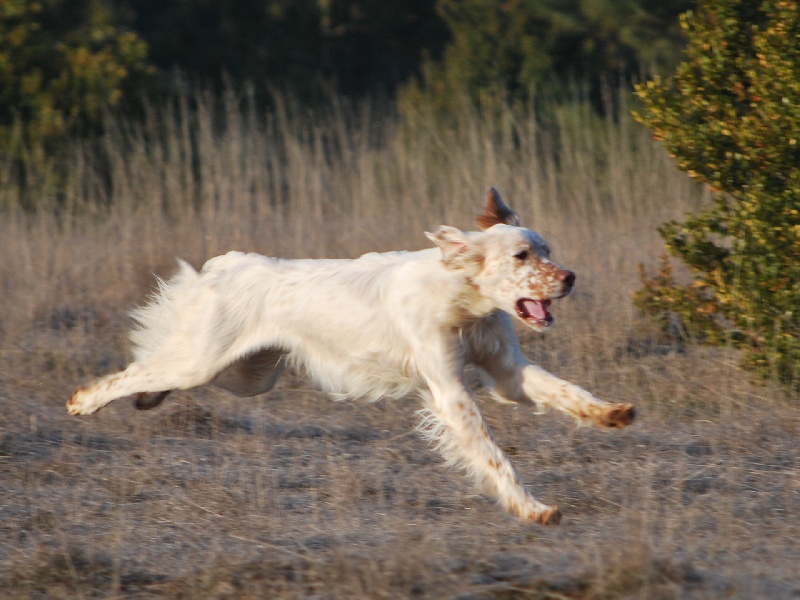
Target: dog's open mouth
534, 312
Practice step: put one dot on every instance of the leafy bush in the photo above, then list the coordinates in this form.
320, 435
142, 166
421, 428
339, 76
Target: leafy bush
62, 63
730, 116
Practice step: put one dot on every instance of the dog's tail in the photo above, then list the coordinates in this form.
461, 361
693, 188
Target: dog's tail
156, 322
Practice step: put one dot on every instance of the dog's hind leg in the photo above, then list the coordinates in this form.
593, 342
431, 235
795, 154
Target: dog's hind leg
150, 377
148, 401
249, 376
152, 381
253, 374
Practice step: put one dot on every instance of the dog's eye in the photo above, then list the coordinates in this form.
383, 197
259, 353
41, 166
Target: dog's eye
523, 255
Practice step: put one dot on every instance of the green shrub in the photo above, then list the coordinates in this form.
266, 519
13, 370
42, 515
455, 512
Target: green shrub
62, 63
730, 115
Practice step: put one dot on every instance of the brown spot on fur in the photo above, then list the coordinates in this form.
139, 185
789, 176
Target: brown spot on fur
465, 260
496, 212
111, 381
71, 400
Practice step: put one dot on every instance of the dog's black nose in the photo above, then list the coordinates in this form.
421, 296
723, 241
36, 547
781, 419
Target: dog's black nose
568, 277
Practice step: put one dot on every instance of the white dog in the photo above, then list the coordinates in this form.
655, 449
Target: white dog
380, 325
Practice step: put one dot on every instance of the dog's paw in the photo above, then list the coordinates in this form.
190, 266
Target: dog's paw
618, 415
78, 403
548, 516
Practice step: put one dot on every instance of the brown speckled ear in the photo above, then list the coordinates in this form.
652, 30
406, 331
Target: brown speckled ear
496, 212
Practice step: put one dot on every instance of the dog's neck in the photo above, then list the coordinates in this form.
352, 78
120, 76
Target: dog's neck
467, 303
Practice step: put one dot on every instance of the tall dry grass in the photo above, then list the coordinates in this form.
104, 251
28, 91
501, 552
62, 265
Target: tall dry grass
295, 495
207, 175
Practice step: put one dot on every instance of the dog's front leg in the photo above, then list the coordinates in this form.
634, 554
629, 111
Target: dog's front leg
518, 380
455, 424
549, 390
492, 345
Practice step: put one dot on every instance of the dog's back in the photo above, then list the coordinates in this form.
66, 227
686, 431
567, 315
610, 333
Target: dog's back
342, 322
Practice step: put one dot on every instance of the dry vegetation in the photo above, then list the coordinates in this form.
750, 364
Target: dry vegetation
294, 495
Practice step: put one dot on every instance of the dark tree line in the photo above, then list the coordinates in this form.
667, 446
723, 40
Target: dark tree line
353, 47
356, 46
64, 61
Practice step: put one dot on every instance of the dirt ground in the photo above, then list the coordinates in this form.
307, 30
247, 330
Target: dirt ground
294, 495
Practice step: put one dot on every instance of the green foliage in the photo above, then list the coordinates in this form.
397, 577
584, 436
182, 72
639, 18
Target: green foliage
62, 63
730, 116
506, 48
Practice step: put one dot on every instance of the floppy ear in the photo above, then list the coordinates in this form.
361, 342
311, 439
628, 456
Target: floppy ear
458, 251
496, 212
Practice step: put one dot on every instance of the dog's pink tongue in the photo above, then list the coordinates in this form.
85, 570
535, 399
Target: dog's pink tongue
536, 308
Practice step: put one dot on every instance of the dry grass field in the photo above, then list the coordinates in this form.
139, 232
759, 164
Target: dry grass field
294, 495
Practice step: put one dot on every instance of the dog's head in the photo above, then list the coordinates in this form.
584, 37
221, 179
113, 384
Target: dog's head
507, 264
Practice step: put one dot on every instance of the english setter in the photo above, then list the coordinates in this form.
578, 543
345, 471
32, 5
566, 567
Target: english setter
382, 325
